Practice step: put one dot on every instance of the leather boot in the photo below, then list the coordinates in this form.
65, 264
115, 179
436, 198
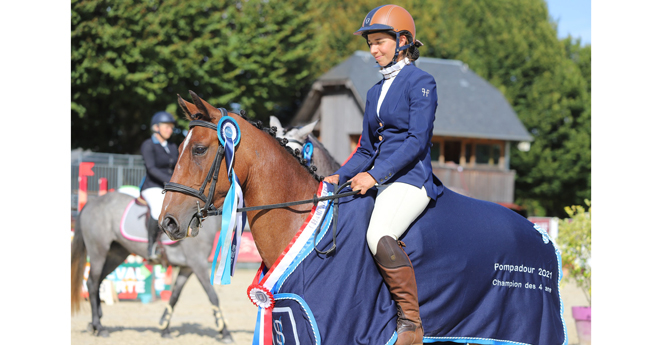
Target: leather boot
153, 230
397, 271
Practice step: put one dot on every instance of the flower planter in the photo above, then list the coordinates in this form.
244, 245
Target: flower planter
582, 316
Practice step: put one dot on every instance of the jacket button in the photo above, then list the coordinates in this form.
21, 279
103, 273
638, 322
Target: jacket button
380, 124
380, 137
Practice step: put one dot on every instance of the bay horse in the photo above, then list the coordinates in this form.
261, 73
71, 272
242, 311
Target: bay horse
485, 274
97, 234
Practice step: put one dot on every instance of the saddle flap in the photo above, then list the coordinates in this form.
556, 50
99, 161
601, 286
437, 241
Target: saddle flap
134, 222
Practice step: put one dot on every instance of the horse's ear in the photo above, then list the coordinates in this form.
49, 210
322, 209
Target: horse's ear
201, 107
307, 129
189, 109
275, 122
205, 108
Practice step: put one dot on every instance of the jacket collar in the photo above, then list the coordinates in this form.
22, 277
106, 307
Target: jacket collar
403, 74
392, 71
155, 140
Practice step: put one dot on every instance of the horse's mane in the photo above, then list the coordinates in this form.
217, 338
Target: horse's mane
318, 145
283, 141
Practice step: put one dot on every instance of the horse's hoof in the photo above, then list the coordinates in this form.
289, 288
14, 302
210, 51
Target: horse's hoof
90, 328
227, 339
166, 334
103, 333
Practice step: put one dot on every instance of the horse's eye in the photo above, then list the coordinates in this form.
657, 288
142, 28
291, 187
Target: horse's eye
199, 150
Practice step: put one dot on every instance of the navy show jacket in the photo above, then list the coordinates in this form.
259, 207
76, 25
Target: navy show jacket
397, 144
159, 164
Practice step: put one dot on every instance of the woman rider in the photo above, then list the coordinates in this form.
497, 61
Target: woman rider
395, 155
160, 157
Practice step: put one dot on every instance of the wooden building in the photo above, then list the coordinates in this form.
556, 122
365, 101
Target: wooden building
473, 131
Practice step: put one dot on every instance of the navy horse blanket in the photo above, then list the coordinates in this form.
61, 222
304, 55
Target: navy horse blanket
485, 275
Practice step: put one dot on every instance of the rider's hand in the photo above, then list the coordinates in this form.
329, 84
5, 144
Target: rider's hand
362, 181
332, 179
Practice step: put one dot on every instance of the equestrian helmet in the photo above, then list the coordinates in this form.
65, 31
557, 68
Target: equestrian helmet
386, 18
394, 20
161, 117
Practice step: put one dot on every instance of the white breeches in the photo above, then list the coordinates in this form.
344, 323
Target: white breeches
154, 197
396, 207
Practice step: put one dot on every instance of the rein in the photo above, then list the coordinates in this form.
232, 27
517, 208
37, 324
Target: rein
314, 200
212, 176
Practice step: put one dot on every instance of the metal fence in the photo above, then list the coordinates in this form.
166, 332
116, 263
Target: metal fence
118, 169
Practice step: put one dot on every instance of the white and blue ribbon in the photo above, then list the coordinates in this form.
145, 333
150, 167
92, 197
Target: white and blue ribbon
308, 151
232, 222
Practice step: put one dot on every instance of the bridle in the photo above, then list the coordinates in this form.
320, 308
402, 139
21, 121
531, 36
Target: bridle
212, 176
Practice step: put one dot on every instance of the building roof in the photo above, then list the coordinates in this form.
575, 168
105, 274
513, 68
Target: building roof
468, 106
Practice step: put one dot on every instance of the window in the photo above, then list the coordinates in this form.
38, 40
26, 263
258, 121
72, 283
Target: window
435, 151
495, 154
453, 151
488, 154
468, 153
483, 153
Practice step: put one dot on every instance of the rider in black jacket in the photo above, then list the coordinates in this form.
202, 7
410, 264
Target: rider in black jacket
160, 157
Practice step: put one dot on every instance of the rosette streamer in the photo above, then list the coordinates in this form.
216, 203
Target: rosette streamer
233, 222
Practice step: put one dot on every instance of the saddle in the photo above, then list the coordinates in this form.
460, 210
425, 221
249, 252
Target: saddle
134, 223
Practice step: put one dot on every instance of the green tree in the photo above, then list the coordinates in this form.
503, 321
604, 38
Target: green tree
575, 243
513, 44
130, 59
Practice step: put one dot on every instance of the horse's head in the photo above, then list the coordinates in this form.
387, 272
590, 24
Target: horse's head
200, 181
296, 136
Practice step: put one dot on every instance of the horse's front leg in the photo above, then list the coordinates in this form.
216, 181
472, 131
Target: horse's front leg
181, 279
204, 279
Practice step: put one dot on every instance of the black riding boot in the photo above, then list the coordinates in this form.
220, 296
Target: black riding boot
153, 231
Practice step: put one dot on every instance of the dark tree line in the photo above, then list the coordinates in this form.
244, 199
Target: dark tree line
129, 60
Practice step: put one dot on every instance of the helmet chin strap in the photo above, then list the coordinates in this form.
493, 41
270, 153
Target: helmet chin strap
397, 50
157, 131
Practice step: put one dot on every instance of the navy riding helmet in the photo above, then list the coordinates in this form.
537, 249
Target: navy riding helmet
162, 116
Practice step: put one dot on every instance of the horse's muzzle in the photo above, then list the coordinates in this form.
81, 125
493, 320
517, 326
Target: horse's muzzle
172, 229
175, 232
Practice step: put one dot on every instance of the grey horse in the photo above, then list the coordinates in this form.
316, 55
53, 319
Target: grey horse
297, 136
97, 235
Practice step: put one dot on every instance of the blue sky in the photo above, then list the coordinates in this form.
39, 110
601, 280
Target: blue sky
573, 17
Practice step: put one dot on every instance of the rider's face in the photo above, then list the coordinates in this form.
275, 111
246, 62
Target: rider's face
165, 130
383, 47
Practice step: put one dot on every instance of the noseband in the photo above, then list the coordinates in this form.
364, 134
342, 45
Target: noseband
209, 209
